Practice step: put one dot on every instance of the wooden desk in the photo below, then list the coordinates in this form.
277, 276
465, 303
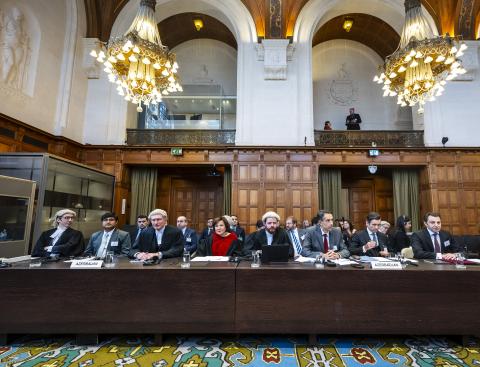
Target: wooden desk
129, 298
298, 298
226, 298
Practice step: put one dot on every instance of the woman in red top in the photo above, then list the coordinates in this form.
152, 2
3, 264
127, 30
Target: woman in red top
221, 243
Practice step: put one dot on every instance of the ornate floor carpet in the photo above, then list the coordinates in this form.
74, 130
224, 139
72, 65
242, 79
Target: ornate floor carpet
206, 351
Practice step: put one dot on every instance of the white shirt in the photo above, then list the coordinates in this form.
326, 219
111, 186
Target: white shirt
269, 237
159, 234
55, 236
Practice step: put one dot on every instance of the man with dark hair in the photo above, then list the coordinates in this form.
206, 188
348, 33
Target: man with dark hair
353, 120
160, 240
239, 231
324, 239
142, 223
207, 231
431, 242
190, 240
108, 239
272, 234
370, 241
297, 235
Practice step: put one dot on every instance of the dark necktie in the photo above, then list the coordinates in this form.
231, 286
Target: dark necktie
325, 243
298, 247
438, 249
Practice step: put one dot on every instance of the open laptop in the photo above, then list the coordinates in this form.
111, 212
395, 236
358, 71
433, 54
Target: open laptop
275, 253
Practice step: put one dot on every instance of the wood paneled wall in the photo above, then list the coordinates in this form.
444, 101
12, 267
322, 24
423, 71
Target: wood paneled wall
280, 179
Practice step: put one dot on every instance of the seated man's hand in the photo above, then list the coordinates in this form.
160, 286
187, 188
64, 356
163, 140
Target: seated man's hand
384, 253
143, 256
448, 256
370, 244
331, 255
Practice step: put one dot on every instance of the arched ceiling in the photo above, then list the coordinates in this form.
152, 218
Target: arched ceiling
276, 18
180, 28
368, 30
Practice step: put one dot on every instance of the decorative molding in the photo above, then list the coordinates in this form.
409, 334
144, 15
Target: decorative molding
180, 137
275, 53
66, 72
91, 67
364, 139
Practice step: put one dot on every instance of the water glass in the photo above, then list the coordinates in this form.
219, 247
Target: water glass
35, 263
109, 259
319, 262
255, 259
185, 260
460, 261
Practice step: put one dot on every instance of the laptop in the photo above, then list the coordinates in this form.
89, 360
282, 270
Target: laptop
275, 253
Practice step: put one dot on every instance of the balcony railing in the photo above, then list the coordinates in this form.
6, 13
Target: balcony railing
180, 137
383, 138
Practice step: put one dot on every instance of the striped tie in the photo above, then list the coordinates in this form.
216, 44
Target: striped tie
298, 247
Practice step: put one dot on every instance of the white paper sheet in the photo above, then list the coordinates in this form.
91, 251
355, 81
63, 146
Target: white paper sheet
210, 258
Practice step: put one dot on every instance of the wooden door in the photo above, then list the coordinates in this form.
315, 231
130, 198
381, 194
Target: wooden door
190, 193
361, 203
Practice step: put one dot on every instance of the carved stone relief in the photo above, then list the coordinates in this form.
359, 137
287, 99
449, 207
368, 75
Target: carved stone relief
342, 91
15, 50
275, 54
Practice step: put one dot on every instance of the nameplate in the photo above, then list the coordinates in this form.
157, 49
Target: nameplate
386, 265
86, 264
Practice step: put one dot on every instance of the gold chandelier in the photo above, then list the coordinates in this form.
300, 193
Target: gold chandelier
138, 63
420, 67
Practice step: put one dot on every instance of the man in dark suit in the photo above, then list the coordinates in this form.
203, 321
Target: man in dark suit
62, 240
324, 239
161, 240
108, 239
353, 120
272, 234
431, 242
190, 240
297, 235
142, 223
207, 231
239, 231
370, 242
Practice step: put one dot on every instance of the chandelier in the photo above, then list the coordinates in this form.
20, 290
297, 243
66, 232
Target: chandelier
138, 63
420, 67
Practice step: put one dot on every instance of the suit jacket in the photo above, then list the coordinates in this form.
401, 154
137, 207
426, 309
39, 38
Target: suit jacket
313, 244
351, 125
423, 247
205, 248
205, 234
280, 237
399, 240
171, 246
190, 240
121, 238
240, 232
133, 231
360, 238
70, 243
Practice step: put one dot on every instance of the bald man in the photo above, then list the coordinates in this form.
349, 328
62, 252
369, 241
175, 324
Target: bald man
190, 239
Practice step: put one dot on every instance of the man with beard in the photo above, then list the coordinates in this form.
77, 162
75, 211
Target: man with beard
272, 234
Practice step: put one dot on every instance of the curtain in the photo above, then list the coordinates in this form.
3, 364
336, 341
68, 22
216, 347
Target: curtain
144, 191
330, 190
406, 195
227, 190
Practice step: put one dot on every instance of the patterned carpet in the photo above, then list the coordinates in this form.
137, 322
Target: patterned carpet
204, 351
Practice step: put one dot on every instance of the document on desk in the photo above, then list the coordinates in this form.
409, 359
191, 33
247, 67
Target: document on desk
368, 259
476, 261
210, 258
303, 259
344, 262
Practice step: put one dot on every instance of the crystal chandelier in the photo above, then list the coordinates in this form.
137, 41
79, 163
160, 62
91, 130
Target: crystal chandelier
138, 63
418, 70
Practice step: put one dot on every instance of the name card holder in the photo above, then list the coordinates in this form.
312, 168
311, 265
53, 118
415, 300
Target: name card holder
86, 264
386, 265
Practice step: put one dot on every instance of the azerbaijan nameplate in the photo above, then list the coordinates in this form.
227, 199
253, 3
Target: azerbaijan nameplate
386, 265
86, 264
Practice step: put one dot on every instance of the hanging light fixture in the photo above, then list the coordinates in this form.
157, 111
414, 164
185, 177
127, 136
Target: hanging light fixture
347, 24
138, 63
422, 64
